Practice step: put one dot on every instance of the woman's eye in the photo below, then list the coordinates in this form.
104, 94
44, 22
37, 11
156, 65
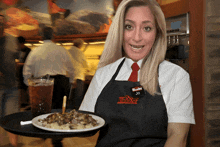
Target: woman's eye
128, 27
147, 29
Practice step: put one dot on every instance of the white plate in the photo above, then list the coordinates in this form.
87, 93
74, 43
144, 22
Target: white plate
37, 124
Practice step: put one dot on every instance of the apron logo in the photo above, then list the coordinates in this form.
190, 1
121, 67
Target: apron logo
127, 100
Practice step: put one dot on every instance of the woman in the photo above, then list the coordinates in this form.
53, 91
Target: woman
159, 111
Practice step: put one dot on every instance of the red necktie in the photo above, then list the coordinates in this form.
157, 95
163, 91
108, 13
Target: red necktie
134, 75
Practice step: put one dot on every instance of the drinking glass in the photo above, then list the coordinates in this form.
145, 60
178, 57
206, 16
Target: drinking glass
40, 93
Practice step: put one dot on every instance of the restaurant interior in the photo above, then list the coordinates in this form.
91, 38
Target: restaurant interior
193, 33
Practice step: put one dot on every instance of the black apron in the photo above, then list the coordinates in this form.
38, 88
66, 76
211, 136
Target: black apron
131, 125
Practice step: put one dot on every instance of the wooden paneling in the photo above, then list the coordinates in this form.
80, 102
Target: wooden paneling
68, 38
176, 8
196, 69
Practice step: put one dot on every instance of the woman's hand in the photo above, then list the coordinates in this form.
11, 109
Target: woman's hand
177, 134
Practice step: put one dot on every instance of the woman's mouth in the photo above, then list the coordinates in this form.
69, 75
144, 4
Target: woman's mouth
137, 47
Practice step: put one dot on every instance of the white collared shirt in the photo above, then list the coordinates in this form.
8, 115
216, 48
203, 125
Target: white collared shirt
173, 80
51, 59
82, 65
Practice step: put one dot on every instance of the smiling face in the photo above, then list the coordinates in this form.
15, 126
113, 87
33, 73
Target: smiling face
139, 32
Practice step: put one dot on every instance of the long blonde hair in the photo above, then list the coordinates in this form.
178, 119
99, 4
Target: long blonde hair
113, 46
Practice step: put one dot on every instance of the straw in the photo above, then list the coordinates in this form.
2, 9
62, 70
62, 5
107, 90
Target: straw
70, 92
48, 77
64, 105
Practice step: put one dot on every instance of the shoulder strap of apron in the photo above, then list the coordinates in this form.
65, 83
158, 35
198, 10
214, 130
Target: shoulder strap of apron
158, 92
118, 69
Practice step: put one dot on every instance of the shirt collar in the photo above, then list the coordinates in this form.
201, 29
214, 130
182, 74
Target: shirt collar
129, 62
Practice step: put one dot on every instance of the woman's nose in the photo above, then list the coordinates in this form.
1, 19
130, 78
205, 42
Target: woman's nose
137, 36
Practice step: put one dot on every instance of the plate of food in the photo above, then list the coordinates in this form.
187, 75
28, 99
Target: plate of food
73, 121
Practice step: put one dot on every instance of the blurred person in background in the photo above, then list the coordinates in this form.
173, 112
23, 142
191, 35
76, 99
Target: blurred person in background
9, 94
55, 61
23, 52
82, 65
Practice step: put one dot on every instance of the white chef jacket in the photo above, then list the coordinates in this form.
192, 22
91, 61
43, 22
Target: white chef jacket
174, 83
79, 56
51, 59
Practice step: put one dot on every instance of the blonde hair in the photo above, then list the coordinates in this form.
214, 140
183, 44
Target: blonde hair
113, 46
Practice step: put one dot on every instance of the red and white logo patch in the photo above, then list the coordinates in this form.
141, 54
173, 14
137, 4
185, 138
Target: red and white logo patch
127, 100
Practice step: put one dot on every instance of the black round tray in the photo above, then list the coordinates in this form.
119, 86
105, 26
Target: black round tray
11, 123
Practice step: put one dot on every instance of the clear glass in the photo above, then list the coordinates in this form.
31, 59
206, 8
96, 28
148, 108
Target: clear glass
40, 93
